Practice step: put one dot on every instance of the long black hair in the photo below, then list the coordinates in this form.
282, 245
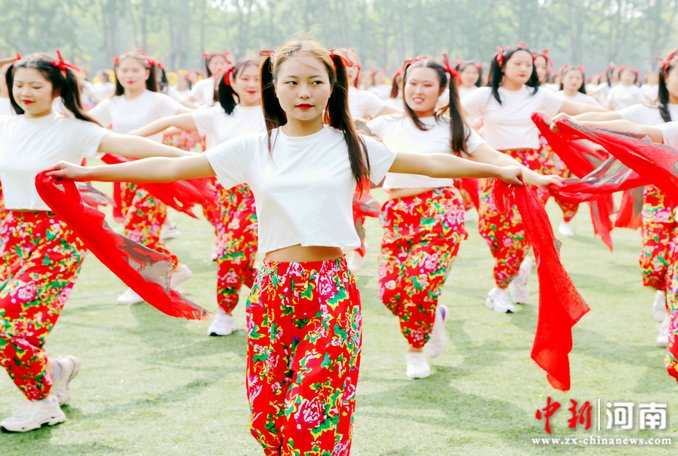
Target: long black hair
63, 80
501, 57
336, 114
663, 96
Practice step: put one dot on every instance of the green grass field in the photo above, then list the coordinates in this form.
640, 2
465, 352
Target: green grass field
154, 385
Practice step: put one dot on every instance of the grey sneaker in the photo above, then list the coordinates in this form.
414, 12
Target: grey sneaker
70, 366
34, 415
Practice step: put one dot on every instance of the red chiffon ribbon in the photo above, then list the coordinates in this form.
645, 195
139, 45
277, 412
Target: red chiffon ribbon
180, 195
145, 271
560, 304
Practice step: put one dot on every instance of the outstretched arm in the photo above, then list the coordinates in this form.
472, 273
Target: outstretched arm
451, 166
654, 133
181, 121
486, 154
155, 169
138, 147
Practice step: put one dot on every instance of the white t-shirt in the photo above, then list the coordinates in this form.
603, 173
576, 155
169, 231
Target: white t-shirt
203, 92
462, 91
218, 127
670, 133
363, 104
383, 91
28, 146
650, 91
6, 107
400, 134
126, 115
509, 125
303, 187
622, 96
646, 114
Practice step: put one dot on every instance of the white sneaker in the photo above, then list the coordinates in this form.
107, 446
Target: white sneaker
436, 343
222, 325
498, 300
663, 336
180, 274
70, 366
129, 297
566, 229
659, 311
34, 415
519, 288
169, 232
417, 366
355, 261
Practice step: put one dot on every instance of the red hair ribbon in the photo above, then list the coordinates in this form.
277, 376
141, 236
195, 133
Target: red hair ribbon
549, 63
266, 52
667, 60
347, 63
149, 61
63, 65
228, 74
499, 57
448, 68
18, 56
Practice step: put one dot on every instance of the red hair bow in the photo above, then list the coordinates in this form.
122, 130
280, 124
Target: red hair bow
499, 57
347, 63
667, 60
63, 65
448, 68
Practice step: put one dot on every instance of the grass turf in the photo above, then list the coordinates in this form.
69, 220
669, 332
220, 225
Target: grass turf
154, 385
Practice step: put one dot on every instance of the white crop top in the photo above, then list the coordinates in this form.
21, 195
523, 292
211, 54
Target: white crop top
28, 146
304, 187
400, 134
509, 125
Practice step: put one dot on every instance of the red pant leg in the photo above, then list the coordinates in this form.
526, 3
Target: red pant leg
41, 258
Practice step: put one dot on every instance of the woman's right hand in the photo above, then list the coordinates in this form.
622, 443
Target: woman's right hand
66, 170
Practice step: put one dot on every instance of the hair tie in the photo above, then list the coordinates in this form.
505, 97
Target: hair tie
347, 64
448, 68
667, 60
228, 74
63, 65
499, 57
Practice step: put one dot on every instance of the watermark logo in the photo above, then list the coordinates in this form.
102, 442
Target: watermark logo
600, 415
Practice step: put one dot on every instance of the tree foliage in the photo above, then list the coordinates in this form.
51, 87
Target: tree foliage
589, 32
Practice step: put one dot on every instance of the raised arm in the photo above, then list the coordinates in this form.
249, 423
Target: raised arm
182, 121
156, 169
451, 166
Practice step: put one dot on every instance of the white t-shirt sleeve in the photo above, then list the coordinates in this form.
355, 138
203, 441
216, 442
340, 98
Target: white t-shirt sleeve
670, 133
377, 125
206, 119
230, 160
473, 141
102, 113
381, 159
474, 103
551, 101
90, 137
